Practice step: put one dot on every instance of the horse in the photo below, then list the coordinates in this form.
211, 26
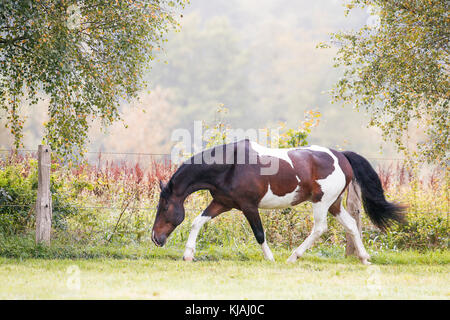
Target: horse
246, 176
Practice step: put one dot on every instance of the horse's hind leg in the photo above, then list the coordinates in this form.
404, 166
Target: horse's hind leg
320, 210
350, 226
213, 210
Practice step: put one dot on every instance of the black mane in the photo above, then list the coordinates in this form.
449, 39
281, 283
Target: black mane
167, 190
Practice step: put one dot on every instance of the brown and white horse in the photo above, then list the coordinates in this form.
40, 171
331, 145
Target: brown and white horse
246, 176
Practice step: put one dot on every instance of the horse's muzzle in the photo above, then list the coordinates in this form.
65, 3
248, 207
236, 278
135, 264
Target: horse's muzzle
158, 242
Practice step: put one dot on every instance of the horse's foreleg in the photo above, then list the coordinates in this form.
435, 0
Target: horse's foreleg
213, 210
254, 220
199, 221
320, 226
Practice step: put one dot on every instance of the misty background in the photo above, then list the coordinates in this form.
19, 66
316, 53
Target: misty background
256, 57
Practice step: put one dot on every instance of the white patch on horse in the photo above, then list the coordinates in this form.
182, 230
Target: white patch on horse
280, 153
333, 184
271, 201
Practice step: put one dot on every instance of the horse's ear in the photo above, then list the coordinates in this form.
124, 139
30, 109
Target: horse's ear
162, 185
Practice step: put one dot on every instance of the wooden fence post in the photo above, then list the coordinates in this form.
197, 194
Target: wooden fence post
354, 208
44, 196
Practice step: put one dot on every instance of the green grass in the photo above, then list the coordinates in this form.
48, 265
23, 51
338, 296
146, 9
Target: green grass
145, 272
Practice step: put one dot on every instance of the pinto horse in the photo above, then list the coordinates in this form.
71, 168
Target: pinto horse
246, 176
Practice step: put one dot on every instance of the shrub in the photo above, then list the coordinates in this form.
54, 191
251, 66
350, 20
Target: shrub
18, 190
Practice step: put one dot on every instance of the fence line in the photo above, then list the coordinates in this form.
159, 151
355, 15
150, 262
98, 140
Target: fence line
155, 208
163, 154
94, 207
96, 152
18, 150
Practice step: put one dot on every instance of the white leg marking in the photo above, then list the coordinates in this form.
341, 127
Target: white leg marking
350, 226
199, 221
320, 226
266, 250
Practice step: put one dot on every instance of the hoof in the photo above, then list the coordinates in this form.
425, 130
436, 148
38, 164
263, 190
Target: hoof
365, 262
269, 257
188, 254
292, 258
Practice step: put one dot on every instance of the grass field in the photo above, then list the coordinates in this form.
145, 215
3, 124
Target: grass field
227, 274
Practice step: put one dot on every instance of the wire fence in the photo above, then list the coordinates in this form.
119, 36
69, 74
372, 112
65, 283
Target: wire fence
145, 208
32, 205
92, 152
161, 154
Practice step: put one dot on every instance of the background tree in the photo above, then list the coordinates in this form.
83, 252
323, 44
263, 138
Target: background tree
206, 66
86, 56
263, 65
397, 68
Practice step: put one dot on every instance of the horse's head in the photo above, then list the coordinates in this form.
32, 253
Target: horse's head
169, 215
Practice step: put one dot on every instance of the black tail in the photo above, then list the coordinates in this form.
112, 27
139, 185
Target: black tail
381, 212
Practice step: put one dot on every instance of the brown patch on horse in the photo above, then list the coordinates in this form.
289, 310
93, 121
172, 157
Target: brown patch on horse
303, 169
324, 165
284, 181
311, 166
322, 168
